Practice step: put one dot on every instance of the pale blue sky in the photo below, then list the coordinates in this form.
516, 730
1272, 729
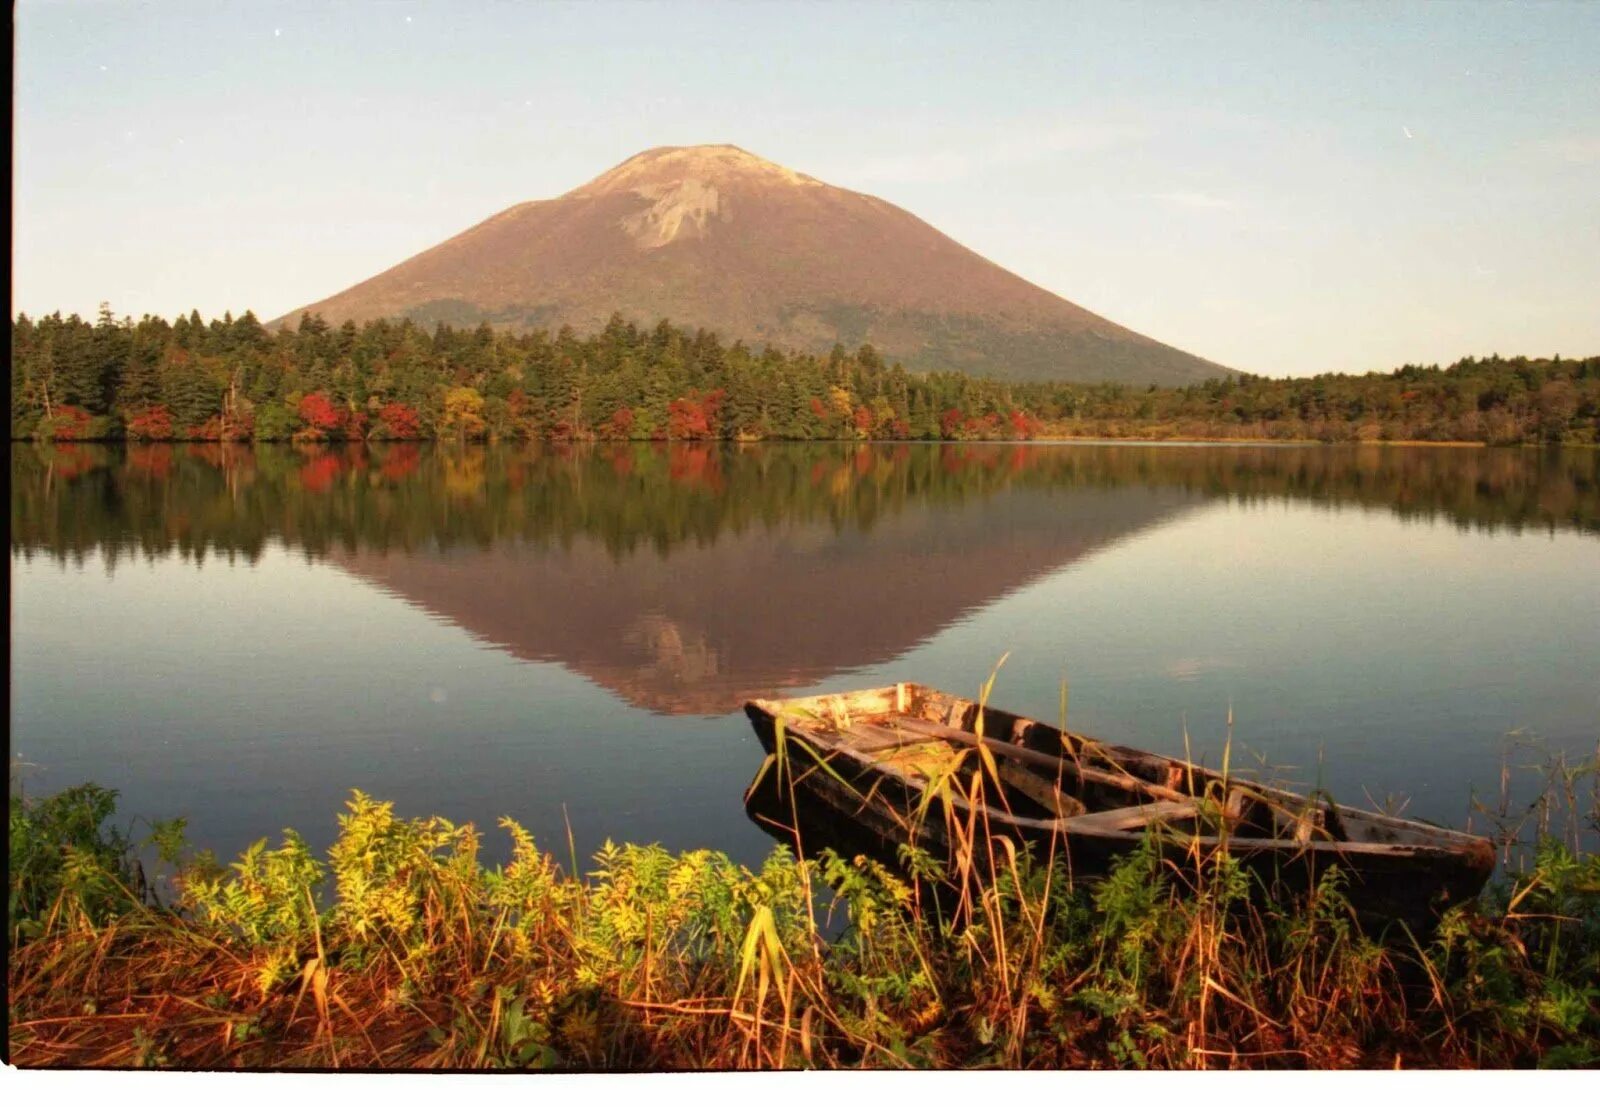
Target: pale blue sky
1283, 189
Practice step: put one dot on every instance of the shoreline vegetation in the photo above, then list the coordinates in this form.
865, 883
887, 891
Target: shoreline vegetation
399, 949
234, 380
1153, 437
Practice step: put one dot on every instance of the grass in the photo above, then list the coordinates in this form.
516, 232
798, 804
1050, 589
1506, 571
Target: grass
399, 949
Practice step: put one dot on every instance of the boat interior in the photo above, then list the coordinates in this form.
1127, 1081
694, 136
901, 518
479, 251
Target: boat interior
1052, 780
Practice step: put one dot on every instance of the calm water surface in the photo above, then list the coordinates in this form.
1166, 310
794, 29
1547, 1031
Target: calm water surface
241, 636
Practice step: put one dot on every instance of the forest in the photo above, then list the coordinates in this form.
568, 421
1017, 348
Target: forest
235, 379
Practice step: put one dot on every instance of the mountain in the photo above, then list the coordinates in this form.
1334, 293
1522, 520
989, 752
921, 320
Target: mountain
715, 237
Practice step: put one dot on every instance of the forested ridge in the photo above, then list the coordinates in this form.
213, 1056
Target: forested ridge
234, 379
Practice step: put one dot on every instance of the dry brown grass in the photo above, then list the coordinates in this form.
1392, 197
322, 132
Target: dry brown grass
419, 957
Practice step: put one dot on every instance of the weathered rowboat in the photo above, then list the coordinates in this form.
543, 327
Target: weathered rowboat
898, 765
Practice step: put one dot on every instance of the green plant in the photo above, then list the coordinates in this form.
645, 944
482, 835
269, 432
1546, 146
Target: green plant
65, 862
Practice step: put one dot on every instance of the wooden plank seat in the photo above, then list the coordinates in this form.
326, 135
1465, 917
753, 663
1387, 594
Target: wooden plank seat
1134, 817
876, 739
873, 737
1065, 765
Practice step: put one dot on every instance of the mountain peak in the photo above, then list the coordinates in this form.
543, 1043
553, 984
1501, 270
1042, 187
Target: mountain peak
660, 167
717, 237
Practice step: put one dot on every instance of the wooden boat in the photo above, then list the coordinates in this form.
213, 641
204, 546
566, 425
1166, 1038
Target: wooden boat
898, 764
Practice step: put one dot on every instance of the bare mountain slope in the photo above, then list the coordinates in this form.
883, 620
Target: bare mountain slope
715, 237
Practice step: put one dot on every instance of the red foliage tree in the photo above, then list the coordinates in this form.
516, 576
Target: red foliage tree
984, 427
397, 420
321, 416
695, 416
950, 422
67, 424
153, 422
862, 418
622, 422
685, 420
1024, 424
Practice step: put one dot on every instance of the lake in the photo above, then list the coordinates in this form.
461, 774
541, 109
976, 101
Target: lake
565, 635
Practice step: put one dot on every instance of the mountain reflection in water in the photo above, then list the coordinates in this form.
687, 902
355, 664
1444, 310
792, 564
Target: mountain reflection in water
688, 577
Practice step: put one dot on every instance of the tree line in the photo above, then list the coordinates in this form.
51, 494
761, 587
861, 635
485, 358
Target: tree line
1495, 400
234, 379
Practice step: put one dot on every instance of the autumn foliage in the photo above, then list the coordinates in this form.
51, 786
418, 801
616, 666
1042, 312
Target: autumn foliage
463, 412
1023, 424
154, 422
396, 420
695, 416
68, 424
320, 417
621, 425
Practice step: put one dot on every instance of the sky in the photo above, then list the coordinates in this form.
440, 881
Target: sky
1285, 189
